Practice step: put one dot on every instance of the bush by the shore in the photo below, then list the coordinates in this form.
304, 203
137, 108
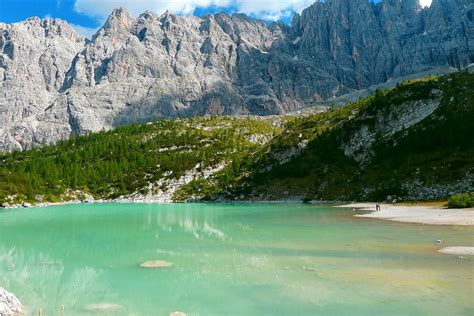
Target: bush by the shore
463, 200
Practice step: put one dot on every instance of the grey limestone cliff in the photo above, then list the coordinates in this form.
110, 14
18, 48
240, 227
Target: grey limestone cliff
34, 57
54, 83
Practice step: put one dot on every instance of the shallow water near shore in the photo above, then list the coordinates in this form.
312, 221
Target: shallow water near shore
231, 259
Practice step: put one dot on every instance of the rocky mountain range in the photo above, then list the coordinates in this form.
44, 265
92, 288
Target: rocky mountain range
54, 83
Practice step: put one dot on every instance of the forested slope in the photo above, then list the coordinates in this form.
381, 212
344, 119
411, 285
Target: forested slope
130, 159
414, 142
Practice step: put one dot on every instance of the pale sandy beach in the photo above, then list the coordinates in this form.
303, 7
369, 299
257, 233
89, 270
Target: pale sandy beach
416, 214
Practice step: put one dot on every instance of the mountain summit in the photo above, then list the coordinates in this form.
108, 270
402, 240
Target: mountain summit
54, 83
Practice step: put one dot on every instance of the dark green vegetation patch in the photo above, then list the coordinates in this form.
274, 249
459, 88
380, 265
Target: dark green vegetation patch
126, 160
462, 200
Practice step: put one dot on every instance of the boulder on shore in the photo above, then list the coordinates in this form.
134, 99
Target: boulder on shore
9, 304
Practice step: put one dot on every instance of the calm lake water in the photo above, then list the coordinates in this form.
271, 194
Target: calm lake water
231, 259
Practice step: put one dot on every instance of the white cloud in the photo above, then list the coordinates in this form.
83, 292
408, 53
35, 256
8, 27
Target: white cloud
272, 9
87, 32
425, 3
266, 9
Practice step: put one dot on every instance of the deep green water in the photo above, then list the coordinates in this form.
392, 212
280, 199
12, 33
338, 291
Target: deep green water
231, 259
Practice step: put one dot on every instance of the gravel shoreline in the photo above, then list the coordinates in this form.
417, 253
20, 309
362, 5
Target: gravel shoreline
416, 214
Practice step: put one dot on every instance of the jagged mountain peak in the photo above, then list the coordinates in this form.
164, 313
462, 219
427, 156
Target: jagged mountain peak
151, 67
119, 21
119, 12
148, 15
42, 28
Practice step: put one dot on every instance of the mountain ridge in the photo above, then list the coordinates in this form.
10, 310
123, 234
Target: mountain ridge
152, 67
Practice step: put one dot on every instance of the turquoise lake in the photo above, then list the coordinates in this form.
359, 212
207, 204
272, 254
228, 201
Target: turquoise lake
231, 259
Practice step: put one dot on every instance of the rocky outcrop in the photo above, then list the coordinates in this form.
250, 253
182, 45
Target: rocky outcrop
164, 190
54, 83
9, 304
380, 125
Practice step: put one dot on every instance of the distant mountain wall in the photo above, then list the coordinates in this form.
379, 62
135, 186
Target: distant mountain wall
54, 83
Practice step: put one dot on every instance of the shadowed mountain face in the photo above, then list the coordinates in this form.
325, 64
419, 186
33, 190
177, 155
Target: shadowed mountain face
55, 83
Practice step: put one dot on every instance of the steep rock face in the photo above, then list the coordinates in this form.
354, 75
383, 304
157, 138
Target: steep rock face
34, 57
360, 44
135, 70
401, 117
168, 66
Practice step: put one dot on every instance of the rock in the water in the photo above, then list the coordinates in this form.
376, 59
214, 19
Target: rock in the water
177, 314
103, 308
156, 264
309, 269
9, 304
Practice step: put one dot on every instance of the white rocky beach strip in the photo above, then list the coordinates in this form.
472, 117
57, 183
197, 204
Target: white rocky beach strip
416, 214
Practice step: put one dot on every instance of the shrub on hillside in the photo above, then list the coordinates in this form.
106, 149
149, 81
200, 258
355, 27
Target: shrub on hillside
463, 200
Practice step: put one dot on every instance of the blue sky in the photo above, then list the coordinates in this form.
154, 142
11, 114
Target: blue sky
88, 15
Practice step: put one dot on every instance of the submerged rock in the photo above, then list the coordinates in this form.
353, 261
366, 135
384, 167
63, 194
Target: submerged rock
309, 269
103, 308
177, 314
156, 264
9, 304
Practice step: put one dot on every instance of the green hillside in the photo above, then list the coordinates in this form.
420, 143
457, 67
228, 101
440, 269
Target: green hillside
414, 142
429, 159
110, 164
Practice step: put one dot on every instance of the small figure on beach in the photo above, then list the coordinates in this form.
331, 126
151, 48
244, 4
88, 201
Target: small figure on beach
377, 207
394, 201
